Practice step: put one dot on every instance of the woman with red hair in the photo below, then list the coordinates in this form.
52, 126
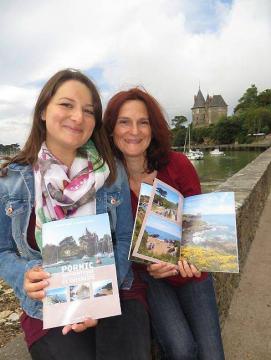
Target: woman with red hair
181, 300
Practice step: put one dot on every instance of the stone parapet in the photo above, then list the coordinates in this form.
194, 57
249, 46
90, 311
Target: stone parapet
251, 186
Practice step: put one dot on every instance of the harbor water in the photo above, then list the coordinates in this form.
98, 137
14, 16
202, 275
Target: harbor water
214, 170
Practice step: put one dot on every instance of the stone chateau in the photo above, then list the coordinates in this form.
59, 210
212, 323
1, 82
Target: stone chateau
209, 111
87, 245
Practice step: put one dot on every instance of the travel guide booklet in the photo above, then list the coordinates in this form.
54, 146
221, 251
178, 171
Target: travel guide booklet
78, 253
199, 228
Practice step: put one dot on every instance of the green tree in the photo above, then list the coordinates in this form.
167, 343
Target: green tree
162, 192
198, 135
179, 136
226, 130
264, 98
178, 121
248, 100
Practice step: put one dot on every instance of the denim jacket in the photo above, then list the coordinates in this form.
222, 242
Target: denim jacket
16, 203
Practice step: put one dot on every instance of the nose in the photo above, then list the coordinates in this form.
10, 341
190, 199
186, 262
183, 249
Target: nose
134, 128
77, 115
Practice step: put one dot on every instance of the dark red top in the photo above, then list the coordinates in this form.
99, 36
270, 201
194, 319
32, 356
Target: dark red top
181, 175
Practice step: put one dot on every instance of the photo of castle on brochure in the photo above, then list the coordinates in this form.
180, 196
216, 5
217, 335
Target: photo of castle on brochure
78, 253
199, 228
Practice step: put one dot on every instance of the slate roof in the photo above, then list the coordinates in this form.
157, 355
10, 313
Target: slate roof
217, 101
199, 100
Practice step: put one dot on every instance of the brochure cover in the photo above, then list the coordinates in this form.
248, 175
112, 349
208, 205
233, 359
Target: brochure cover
78, 252
200, 228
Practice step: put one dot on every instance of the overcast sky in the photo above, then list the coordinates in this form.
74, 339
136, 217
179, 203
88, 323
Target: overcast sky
167, 46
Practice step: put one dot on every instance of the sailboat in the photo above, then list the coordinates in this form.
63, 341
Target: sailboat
191, 154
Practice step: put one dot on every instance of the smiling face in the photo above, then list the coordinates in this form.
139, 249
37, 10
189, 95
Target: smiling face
132, 132
69, 119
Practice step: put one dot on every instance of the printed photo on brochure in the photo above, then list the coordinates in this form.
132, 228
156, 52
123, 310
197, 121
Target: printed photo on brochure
199, 228
78, 253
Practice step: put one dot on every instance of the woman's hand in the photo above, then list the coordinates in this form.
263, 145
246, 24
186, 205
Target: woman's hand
188, 270
162, 270
80, 327
35, 280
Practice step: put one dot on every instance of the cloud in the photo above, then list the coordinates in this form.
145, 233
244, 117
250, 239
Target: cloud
167, 46
213, 203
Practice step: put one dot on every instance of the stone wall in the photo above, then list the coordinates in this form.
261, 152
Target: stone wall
251, 186
215, 113
199, 117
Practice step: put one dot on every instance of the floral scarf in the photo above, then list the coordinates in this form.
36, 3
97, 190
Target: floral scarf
62, 192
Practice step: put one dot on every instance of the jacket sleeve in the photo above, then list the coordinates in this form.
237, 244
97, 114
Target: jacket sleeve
12, 265
124, 228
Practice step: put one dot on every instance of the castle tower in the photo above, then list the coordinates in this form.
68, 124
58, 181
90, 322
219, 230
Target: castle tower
216, 108
198, 110
208, 112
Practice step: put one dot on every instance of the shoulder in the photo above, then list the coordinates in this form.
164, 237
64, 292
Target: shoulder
17, 175
121, 178
182, 174
179, 159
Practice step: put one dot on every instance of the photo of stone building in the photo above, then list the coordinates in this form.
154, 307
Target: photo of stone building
209, 111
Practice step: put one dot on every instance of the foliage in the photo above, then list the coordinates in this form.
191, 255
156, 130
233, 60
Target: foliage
264, 98
248, 100
199, 135
161, 192
163, 202
178, 121
9, 149
251, 115
225, 130
179, 136
206, 259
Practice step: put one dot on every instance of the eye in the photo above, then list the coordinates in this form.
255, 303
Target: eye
145, 122
66, 104
123, 121
89, 112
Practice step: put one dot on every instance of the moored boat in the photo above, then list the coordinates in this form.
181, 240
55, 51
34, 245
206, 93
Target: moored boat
216, 151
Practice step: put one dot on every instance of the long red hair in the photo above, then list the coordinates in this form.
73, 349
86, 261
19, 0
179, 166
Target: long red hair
158, 150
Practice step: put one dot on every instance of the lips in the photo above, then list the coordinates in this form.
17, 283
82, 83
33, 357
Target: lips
132, 141
73, 129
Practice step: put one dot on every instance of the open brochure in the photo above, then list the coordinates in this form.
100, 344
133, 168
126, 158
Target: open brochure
78, 253
199, 228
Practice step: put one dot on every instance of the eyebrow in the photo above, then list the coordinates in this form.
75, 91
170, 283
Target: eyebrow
66, 98
127, 118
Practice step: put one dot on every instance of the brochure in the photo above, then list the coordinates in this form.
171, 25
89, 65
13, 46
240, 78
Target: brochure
199, 228
78, 253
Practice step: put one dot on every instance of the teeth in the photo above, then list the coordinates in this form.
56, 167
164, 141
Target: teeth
133, 141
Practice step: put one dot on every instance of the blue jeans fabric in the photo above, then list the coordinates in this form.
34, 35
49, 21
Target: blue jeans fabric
185, 319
